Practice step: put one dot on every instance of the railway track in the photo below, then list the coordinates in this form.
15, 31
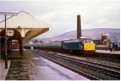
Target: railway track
91, 70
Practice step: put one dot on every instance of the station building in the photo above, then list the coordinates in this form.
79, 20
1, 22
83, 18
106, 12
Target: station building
20, 28
104, 39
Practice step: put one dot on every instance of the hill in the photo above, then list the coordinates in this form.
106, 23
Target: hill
95, 34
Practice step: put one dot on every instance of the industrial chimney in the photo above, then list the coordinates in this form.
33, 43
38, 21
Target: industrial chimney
79, 33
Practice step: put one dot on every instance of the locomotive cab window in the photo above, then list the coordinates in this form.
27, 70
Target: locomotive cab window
87, 41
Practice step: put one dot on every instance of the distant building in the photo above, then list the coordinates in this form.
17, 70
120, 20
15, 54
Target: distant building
104, 39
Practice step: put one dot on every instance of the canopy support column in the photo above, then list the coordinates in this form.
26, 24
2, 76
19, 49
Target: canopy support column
21, 47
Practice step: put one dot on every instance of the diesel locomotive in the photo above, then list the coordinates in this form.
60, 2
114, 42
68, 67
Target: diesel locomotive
82, 46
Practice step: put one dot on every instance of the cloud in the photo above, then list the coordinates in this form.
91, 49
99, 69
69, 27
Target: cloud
61, 14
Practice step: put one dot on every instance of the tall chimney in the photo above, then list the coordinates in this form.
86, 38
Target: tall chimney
79, 33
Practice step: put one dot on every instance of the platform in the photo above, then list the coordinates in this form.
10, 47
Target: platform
108, 54
34, 67
3, 71
52, 71
15, 55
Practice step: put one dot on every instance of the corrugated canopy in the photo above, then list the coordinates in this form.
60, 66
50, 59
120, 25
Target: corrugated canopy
27, 25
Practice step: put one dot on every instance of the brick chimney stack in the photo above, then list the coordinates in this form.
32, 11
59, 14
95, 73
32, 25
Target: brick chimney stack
79, 32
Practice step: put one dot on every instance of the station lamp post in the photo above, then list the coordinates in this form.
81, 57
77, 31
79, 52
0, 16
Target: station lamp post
6, 55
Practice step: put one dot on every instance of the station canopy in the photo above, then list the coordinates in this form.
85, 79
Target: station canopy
26, 24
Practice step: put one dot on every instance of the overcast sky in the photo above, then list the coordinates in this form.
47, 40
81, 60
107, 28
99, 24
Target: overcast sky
61, 14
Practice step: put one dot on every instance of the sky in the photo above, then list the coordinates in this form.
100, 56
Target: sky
61, 15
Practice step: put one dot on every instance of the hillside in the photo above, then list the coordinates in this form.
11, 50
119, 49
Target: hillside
95, 34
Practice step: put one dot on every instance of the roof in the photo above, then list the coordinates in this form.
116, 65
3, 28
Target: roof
25, 23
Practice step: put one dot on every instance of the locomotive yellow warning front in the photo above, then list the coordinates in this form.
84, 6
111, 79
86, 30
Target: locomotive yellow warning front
89, 46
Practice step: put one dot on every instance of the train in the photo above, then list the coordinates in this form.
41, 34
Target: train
84, 46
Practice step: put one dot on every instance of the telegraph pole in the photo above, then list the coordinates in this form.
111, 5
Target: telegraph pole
6, 55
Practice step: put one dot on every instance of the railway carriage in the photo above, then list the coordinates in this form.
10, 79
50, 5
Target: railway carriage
46, 46
56, 45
